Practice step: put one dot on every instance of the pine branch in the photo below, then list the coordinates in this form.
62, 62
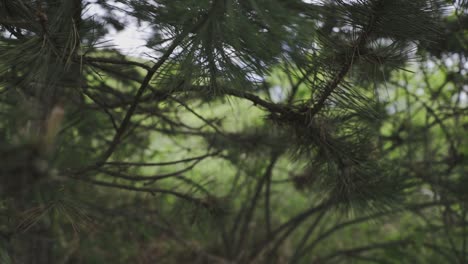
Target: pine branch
359, 250
144, 85
339, 77
117, 62
152, 191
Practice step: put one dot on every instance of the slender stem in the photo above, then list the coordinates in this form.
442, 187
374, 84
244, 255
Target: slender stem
254, 200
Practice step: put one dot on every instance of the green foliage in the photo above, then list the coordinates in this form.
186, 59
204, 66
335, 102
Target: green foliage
253, 132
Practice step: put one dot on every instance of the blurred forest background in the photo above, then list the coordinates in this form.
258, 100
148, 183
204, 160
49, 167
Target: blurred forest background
252, 131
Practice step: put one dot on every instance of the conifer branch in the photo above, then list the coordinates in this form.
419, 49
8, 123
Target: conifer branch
339, 77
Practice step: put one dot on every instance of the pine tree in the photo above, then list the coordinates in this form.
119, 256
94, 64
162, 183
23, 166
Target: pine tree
350, 114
